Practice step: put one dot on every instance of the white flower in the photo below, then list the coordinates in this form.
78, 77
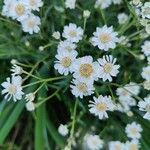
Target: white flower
17, 70
70, 4
105, 38
31, 24
7, 7
85, 69
35, 4
41, 48
13, 61
19, 9
73, 33
146, 85
122, 18
93, 142
30, 106
63, 130
13, 88
103, 3
147, 28
65, 61
117, 1
66, 46
146, 73
133, 130
100, 106
86, 14
30, 97
116, 145
82, 88
108, 67
56, 35
146, 48
133, 88
132, 145
136, 3
146, 10
145, 106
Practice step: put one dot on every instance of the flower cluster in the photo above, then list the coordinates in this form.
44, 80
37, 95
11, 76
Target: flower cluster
22, 11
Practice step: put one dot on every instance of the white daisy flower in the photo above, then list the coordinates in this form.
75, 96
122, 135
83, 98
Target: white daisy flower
103, 4
122, 18
116, 145
65, 61
117, 1
81, 88
31, 24
19, 9
146, 10
12, 88
133, 130
132, 145
146, 48
6, 8
63, 130
17, 70
145, 106
70, 4
105, 38
73, 33
66, 46
93, 142
108, 67
100, 106
35, 4
85, 69
146, 73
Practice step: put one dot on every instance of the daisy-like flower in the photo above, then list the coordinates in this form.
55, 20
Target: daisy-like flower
73, 33
17, 70
6, 8
146, 48
108, 67
70, 4
103, 4
132, 145
63, 130
65, 61
145, 106
100, 106
122, 18
116, 145
146, 73
12, 88
81, 88
93, 142
19, 9
146, 10
31, 24
66, 46
85, 69
105, 38
133, 130
35, 4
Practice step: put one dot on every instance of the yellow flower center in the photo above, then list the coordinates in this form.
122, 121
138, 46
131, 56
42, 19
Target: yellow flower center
134, 131
73, 33
31, 24
102, 106
105, 37
107, 68
20, 9
32, 2
86, 70
66, 62
82, 87
12, 89
117, 147
148, 107
133, 147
